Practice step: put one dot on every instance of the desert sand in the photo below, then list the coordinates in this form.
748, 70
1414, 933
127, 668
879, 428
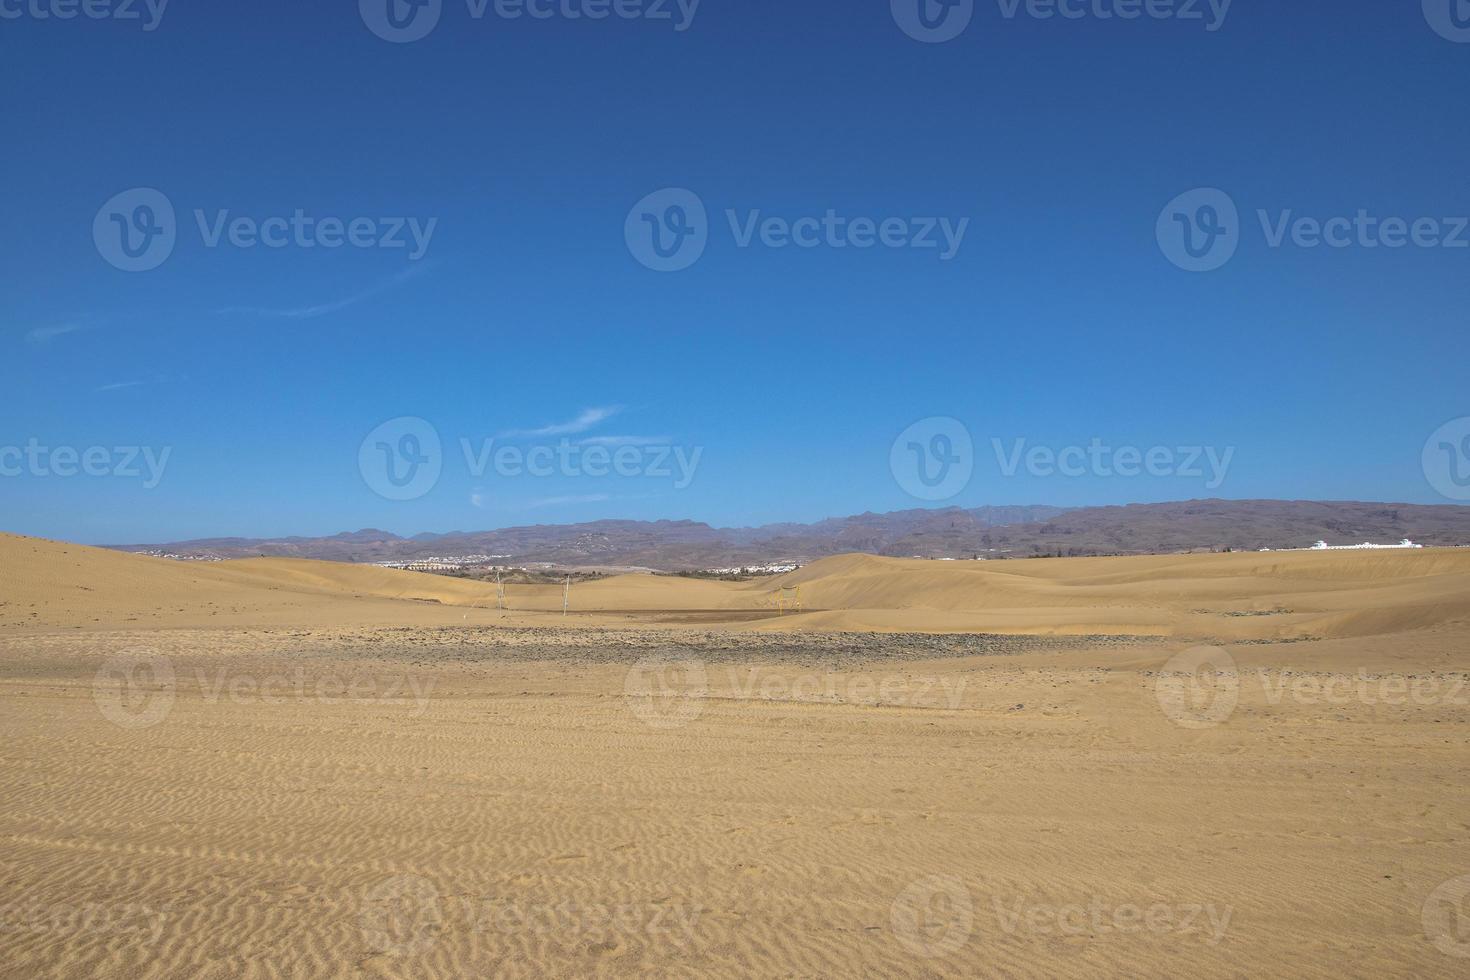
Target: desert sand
1211, 765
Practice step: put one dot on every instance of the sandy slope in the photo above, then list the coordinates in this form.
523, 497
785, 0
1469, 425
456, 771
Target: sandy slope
275, 768
47, 584
470, 813
1238, 596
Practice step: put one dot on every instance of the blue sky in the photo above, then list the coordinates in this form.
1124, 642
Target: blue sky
519, 149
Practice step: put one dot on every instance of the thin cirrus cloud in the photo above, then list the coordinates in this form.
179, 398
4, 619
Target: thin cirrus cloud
582, 498
322, 309
482, 500
161, 379
44, 335
625, 441
588, 418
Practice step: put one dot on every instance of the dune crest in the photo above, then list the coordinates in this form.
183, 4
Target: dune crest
1229, 596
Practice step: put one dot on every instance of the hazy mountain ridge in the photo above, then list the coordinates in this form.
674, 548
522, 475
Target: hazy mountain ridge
999, 532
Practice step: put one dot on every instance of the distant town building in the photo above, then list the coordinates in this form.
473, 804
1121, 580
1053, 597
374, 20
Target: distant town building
778, 569
1365, 546
175, 557
441, 564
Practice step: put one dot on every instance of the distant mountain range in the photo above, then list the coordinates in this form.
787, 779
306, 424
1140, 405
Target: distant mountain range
994, 532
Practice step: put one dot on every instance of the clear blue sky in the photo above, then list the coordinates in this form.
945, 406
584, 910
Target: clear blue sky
1059, 320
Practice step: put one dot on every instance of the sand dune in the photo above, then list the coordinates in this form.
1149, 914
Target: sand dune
1234, 596
282, 768
47, 584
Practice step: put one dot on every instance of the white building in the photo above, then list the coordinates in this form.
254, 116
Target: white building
1365, 546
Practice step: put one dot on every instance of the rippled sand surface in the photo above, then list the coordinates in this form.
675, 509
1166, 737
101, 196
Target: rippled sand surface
438, 796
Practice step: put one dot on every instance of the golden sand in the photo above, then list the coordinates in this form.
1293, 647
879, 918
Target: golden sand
274, 768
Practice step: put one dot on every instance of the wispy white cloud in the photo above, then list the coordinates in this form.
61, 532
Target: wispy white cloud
586, 498
43, 335
625, 441
322, 309
120, 385
482, 500
587, 419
